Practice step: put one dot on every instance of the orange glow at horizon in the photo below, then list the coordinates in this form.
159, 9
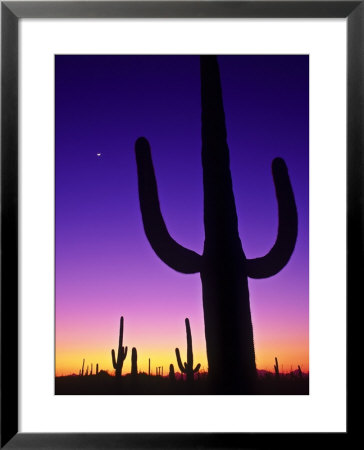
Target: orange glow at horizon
92, 335
291, 352
71, 363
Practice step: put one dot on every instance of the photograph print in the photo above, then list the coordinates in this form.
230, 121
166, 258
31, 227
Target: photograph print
182, 224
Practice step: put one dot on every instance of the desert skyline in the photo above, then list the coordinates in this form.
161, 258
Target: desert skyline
104, 266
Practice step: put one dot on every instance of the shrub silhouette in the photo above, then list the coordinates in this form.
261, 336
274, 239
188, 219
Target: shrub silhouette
134, 362
104, 374
187, 368
223, 267
118, 364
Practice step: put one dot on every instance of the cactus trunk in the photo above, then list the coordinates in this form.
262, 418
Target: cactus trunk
276, 367
228, 325
171, 376
223, 267
134, 362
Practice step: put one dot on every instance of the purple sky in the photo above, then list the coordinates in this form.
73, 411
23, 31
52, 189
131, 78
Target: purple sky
105, 266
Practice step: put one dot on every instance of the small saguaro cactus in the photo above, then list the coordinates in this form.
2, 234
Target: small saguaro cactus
97, 369
122, 352
83, 367
134, 361
299, 371
149, 368
276, 367
91, 369
187, 368
172, 375
87, 371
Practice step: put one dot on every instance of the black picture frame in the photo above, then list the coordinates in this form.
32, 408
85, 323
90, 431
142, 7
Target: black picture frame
11, 12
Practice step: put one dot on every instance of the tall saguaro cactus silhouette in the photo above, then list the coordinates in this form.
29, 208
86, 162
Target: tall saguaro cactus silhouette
187, 367
223, 266
118, 363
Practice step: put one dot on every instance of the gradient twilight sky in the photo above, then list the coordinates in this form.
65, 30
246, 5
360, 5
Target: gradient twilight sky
105, 266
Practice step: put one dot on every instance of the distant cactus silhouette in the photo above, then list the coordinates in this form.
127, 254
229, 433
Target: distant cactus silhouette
172, 375
276, 367
149, 367
86, 372
299, 371
97, 369
134, 361
118, 364
223, 267
83, 367
187, 368
91, 369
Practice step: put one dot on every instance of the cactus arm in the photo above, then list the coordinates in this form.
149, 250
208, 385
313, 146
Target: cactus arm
274, 261
179, 362
167, 249
113, 358
124, 352
197, 368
